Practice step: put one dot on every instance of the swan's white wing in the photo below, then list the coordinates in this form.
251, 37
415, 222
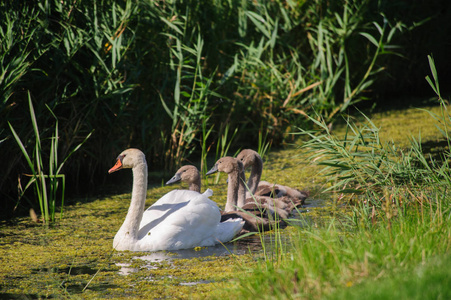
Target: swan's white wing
193, 226
183, 219
166, 205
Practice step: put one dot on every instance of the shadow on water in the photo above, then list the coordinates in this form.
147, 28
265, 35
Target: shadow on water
10, 296
250, 244
68, 270
79, 288
67, 285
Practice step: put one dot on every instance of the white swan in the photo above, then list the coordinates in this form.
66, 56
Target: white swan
251, 158
181, 219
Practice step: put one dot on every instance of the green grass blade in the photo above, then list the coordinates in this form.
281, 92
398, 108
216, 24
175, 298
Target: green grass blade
22, 148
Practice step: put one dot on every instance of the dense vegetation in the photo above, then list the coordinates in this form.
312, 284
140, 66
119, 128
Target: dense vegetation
82, 80
175, 77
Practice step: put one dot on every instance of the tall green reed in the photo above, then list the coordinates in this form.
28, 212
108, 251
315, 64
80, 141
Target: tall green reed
14, 52
47, 195
283, 75
73, 56
223, 145
189, 110
205, 149
439, 169
107, 66
263, 145
362, 168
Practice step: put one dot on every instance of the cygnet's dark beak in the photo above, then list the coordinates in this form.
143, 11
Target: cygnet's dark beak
177, 177
213, 170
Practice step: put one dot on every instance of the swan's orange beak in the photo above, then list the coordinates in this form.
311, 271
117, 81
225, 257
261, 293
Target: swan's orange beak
117, 166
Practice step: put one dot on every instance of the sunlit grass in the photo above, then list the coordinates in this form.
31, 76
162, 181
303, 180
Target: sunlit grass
334, 259
399, 220
426, 280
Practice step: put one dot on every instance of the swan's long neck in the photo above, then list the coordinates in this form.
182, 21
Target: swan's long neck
236, 191
130, 227
195, 186
241, 197
232, 191
256, 174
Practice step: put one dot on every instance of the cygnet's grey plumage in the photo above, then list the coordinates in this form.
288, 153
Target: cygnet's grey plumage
251, 158
259, 213
255, 216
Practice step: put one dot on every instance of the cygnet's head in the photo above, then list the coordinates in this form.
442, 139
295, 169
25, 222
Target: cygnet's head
128, 159
227, 165
188, 174
248, 157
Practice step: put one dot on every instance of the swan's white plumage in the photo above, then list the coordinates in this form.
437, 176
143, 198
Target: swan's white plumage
180, 219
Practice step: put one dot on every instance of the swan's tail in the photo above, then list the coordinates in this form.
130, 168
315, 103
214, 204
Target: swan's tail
228, 229
208, 193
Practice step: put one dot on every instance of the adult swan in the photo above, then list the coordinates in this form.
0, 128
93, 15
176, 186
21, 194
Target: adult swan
181, 219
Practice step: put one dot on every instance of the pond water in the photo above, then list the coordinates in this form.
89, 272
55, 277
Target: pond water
250, 244
240, 247
69, 259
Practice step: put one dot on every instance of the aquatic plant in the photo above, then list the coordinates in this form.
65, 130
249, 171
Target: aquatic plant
38, 178
264, 145
189, 111
223, 144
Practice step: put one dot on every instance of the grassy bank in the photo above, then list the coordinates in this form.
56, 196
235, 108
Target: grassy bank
405, 257
391, 235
